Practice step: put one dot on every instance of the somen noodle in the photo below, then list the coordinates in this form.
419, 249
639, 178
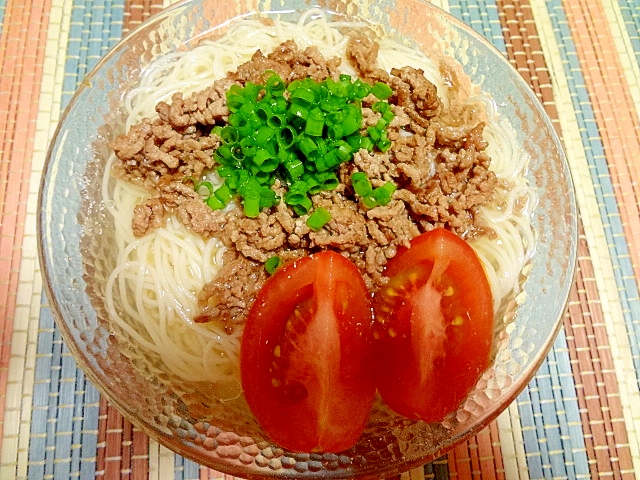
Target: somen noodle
152, 293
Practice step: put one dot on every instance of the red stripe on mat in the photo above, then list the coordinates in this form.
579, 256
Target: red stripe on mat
599, 400
615, 112
480, 456
137, 11
22, 52
123, 450
525, 52
589, 349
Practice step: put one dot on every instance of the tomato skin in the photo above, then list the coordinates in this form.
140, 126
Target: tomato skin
434, 326
305, 355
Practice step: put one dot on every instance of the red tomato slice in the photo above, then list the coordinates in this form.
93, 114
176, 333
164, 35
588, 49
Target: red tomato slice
434, 326
305, 355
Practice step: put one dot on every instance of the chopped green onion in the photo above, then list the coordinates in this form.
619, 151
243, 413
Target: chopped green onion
223, 193
315, 123
272, 264
335, 131
251, 91
361, 184
275, 85
313, 185
298, 110
325, 180
371, 197
369, 201
318, 219
352, 120
263, 135
251, 204
268, 198
380, 107
263, 111
204, 188
279, 105
360, 90
300, 137
374, 133
234, 102
304, 95
294, 168
286, 136
384, 144
383, 193
276, 121
214, 203
303, 207
227, 134
381, 90
307, 146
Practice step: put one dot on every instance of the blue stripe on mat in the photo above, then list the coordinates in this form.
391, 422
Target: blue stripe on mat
631, 18
64, 424
550, 419
594, 150
95, 28
3, 7
186, 469
65, 408
482, 16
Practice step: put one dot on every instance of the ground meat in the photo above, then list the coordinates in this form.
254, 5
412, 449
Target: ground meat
309, 63
227, 299
347, 229
199, 218
362, 53
420, 96
436, 160
149, 156
147, 217
204, 108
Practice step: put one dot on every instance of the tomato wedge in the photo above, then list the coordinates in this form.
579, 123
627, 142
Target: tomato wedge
306, 352
434, 326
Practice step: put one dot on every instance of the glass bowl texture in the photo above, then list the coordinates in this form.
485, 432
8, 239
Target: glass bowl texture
75, 236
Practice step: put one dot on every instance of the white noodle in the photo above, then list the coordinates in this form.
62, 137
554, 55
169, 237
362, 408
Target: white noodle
152, 292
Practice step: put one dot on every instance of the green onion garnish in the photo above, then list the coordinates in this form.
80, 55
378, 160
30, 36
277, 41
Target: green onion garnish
371, 197
318, 219
361, 184
272, 264
383, 193
298, 133
381, 90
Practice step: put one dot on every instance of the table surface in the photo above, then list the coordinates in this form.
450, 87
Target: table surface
580, 415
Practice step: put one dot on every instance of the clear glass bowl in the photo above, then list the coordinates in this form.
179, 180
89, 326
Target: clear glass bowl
75, 238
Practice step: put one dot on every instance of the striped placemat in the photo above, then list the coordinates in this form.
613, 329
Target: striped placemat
580, 415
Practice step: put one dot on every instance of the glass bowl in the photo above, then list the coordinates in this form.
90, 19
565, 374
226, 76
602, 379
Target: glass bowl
76, 238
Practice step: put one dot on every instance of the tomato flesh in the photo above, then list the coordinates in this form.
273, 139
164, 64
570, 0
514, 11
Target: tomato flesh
434, 326
305, 355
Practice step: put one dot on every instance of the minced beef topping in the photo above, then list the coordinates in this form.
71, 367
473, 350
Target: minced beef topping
436, 159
